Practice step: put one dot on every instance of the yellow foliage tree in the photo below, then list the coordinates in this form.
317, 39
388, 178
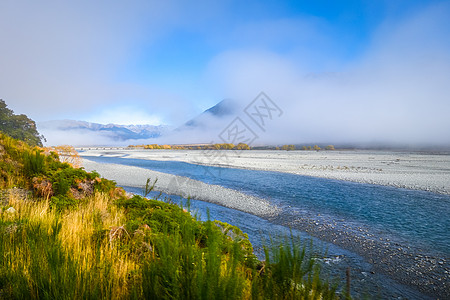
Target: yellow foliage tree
242, 146
67, 154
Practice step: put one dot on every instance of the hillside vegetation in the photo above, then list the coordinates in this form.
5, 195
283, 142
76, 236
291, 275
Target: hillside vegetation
18, 126
68, 234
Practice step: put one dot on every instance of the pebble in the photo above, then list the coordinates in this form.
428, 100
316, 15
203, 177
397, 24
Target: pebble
10, 210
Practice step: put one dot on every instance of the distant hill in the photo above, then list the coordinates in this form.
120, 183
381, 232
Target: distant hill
221, 110
111, 132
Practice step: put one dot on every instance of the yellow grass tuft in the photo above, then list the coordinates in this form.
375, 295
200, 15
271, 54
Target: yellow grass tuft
83, 235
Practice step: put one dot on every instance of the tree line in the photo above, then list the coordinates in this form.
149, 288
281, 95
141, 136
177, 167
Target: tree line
224, 146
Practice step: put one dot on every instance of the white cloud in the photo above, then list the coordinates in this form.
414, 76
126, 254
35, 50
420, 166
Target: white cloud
61, 59
124, 115
396, 93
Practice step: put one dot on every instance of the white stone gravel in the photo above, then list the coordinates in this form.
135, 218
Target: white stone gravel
183, 186
411, 170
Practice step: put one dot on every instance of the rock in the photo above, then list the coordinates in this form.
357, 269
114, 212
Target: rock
10, 210
42, 187
82, 189
11, 229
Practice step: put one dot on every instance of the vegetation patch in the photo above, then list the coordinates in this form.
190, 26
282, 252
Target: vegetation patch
81, 236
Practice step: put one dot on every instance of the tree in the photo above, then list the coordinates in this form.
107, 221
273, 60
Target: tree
19, 126
288, 147
242, 146
317, 148
68, 154
329, 147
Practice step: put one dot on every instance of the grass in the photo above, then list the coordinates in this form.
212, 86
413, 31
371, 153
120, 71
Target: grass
61, 256
106, 245
77, 254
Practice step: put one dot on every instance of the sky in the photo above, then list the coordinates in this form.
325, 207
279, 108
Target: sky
340, 70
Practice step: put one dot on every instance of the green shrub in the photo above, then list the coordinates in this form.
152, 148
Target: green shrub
62, 203
33, 163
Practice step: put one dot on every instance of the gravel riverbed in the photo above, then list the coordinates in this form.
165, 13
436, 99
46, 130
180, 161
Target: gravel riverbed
411, 170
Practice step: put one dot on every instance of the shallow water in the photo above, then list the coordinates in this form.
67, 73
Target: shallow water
418, 217
415, 220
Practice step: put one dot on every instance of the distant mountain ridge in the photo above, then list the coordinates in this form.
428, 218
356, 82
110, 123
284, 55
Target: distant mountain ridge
114, 131
203, 127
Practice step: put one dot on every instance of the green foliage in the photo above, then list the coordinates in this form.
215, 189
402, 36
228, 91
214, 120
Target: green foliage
159, 216
149, 187
18, 126
11, 161
183, 270
105, 185
29, 167
61, 184
62, 203
33, 163
289, 273
64, 178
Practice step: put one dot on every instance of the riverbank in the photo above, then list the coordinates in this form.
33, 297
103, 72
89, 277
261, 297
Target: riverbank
417, 171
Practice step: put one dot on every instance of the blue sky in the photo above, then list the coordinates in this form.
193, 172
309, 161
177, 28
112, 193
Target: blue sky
166, 61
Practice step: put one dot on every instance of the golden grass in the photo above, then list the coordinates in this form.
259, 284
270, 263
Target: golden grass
77, 236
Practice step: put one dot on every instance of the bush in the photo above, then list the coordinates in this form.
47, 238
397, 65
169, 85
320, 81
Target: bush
33, 163
62, 203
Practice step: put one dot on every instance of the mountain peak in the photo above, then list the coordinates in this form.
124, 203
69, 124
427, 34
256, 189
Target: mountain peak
223, 108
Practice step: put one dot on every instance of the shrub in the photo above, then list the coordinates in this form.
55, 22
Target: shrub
33, 163
61, 203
